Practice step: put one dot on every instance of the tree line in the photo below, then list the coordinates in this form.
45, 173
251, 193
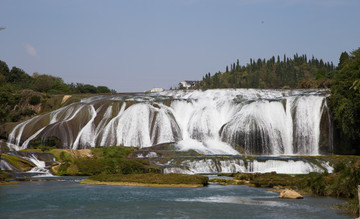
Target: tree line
17, 79
274, 73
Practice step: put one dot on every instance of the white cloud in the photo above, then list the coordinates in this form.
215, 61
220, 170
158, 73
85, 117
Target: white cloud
30, 50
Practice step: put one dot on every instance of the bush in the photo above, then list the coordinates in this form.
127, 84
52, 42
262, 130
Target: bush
48, 144
34, 100
112, 152
27, 112
110, 166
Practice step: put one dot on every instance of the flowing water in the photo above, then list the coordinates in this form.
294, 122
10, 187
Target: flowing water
40, 167
67, 199
222, 121
234, 164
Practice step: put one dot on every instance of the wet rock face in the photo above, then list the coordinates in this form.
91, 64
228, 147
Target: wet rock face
290, 194
236, 121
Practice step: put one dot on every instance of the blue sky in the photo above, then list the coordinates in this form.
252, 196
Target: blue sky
136, 45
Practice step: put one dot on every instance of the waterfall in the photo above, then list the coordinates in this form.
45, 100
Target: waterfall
244, 165
39, 166
221, 121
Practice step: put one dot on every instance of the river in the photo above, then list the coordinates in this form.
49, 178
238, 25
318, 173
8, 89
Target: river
68, 199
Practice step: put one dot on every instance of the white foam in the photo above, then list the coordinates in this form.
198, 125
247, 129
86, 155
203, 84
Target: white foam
270, 122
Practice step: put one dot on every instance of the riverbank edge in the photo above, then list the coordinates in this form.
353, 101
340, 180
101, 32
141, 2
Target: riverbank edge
5, 183
95, 182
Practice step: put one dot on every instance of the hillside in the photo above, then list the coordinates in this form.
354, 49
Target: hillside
23, 96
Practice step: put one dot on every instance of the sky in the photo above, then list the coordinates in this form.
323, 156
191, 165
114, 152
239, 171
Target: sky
136, 45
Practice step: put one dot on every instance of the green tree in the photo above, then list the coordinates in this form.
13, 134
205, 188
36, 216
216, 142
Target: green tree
345, 103
43, 83
344, 57
296, 72
19, 77
103, 89
4, 69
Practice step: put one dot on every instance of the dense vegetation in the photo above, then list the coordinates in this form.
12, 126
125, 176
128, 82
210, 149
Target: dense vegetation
300, 72
296, 72
104, 160
345, 103
18, 89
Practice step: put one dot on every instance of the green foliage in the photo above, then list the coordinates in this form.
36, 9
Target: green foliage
18, 77
65, 157
356, 85
112, 152
109, 166
344, 57
4, 69
27, 112
317, 184
47, 83
46, 145
109, 160
298, 72
35, 100
87, 88
7, 102
103, 89
345, 103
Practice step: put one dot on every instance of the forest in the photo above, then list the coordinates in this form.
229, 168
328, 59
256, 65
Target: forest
299, 72
296, 72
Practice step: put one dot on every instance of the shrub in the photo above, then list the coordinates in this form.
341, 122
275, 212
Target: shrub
27, 112
110, 166
34, 100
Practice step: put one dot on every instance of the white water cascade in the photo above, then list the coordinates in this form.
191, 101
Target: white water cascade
222, 121
243, 165
39, 166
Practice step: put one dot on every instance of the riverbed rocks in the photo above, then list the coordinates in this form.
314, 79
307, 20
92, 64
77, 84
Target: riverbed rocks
290, 194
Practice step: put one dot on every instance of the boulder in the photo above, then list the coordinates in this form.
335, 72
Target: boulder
291, 194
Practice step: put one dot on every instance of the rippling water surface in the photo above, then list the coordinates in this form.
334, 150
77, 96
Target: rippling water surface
67, 199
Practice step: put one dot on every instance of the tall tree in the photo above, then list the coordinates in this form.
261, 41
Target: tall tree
345, 102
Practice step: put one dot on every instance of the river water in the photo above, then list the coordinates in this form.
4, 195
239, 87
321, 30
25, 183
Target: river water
68, 199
